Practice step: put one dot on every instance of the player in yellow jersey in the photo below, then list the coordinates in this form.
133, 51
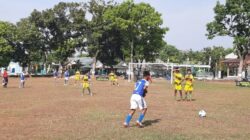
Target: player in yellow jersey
189, 85
77, 77
115, 82
112, 78
85, 85
178, 78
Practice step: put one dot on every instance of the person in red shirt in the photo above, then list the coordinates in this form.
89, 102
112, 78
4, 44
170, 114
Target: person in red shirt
5, 78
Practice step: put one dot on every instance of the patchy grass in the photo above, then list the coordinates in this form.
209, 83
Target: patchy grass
44, 110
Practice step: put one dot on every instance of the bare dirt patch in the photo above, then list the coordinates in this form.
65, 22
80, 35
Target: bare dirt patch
45, 110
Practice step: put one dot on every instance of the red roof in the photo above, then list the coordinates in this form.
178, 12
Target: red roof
247, 60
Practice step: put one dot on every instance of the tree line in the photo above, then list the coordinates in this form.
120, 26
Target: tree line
107, 31
112, 32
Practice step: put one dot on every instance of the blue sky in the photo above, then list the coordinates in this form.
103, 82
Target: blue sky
186, 19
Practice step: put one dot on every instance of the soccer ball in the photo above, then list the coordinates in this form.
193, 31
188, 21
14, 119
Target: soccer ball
202, 113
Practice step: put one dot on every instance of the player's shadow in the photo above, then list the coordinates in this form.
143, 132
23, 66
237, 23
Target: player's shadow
150, 122
192, 100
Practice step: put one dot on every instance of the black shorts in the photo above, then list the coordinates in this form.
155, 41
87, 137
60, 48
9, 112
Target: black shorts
5, 80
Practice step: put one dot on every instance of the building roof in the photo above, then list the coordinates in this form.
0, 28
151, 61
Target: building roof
231, 56
236, 61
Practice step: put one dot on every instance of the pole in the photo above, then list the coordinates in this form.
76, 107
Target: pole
172, 73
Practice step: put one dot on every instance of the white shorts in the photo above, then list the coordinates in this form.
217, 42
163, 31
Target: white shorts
22, 81
137, 101
66, 78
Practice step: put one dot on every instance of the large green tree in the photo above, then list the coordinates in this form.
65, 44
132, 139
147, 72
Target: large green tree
63, 29
141, 29
170, 53
28, 43
104, 41
7, 48
233, 19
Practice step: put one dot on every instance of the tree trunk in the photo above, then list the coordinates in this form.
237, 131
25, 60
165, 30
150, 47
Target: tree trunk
94, 63
240, 67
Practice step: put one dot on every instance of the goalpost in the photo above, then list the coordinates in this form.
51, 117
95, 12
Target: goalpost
163, 68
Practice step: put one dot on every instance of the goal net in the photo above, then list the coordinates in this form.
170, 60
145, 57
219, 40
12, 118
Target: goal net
159, 70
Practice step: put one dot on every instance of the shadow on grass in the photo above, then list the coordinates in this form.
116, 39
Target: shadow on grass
151, 122
179, 100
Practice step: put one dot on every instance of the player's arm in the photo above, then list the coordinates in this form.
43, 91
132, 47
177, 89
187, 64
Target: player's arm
182, 78
145, 90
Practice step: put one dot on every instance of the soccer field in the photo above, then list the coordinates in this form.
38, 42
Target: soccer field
44, 110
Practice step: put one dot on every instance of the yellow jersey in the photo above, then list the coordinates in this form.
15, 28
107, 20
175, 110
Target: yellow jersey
189, 79
85, 78
77, 75
178, 78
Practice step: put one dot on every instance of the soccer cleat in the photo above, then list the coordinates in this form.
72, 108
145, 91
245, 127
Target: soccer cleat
139, 124
125, 125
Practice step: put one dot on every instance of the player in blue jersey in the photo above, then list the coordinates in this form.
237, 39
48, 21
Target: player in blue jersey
22, 80
55, 74
137, 100
66, 77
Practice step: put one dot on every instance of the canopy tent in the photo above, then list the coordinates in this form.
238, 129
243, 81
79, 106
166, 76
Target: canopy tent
121, 65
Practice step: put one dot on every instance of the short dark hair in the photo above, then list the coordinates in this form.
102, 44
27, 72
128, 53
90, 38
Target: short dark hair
146, 73
189, 70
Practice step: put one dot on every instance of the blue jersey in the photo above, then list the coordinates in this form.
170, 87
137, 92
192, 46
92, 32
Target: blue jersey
66, 73
139, 87
22, 76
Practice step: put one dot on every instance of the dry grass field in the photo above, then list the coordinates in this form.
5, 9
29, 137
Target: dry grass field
48, 111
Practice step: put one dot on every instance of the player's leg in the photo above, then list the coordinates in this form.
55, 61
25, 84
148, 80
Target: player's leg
129, 117
21, 84
186, 92
175, 94
141, 117
133, 107
83, 89
180, 91
186, 95
5, 82
143, 107
90, 93
190, 95
117, 83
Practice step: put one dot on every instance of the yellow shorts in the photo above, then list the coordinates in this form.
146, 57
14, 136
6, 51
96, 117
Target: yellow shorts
188, 88
77, 78
85, 85
112, 79
177, 87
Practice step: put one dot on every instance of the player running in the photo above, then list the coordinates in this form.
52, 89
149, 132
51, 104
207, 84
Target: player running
113, 79
189, 85
85, 85
178, 78
138, 100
